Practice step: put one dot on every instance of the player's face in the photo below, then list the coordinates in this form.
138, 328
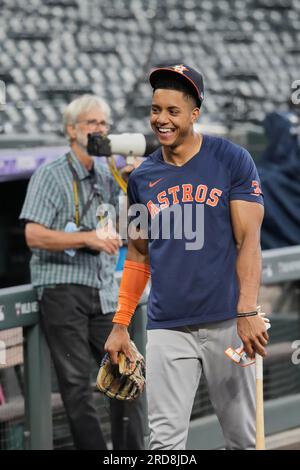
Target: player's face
172, 116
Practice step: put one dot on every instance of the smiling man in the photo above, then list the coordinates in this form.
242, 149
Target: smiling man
202, 299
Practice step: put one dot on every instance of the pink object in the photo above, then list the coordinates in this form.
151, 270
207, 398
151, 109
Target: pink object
2, 398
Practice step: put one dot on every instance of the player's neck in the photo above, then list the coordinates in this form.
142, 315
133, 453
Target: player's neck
182, 153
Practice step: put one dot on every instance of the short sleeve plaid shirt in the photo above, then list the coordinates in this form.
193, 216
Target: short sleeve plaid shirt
50, 202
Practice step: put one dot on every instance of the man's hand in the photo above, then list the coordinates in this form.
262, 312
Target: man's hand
118, 341
127, 169
253, 333
104, 239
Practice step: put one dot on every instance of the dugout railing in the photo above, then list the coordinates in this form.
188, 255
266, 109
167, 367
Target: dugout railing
19, 308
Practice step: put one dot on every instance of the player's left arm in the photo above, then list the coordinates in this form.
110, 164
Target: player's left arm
246, 220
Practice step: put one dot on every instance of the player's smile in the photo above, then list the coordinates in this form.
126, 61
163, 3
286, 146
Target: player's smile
165, 133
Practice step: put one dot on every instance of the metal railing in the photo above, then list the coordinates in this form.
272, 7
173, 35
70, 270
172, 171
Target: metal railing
19, 307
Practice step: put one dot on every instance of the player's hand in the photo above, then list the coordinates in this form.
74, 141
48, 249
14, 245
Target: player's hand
104, 239
253, 333
118, 341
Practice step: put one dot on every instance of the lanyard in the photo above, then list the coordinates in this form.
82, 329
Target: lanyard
91, 196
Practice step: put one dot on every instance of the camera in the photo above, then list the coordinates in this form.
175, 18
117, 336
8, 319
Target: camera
129, 145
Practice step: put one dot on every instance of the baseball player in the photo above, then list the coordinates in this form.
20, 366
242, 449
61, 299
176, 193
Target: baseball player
204, 291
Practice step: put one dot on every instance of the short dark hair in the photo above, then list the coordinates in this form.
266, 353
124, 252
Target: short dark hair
170, 83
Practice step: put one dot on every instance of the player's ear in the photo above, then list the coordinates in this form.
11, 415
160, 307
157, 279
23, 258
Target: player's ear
195, 114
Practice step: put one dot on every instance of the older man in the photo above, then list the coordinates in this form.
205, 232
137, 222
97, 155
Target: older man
72, 268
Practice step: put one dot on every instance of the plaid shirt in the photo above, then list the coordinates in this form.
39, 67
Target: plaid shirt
50, 202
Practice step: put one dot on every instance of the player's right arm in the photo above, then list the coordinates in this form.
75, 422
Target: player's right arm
135, 276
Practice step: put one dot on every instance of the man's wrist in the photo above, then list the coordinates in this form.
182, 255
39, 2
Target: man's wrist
87, 239
247, 314
246, 307
83, 239
120, 327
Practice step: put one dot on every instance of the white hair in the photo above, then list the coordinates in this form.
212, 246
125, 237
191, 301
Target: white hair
84, 104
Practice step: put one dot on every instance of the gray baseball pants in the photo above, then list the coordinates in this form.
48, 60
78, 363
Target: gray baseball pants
175, 360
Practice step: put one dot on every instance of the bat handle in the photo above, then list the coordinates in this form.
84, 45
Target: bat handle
260, 427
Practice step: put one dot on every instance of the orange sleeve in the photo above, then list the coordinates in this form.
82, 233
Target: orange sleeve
134, 280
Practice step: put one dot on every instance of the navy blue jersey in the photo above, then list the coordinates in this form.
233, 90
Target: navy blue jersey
191, 244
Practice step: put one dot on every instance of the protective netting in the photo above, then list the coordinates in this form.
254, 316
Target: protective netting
12, 409
62, 439
11, 389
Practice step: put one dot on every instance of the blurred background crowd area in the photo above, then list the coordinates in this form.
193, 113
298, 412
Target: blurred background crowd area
248, 51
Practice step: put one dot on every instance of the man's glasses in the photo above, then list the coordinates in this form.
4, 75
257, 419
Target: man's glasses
93, 124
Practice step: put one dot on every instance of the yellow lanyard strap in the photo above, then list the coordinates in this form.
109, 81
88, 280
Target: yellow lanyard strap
76, 201
117, 175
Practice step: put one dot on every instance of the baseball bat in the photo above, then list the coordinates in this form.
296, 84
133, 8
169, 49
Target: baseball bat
260, 425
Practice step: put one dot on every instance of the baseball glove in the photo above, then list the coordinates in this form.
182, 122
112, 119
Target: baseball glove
124, 381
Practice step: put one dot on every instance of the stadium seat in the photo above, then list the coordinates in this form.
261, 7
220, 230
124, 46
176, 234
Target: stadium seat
56, 49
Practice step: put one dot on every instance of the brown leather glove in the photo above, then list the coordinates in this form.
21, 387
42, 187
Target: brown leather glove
125, 381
